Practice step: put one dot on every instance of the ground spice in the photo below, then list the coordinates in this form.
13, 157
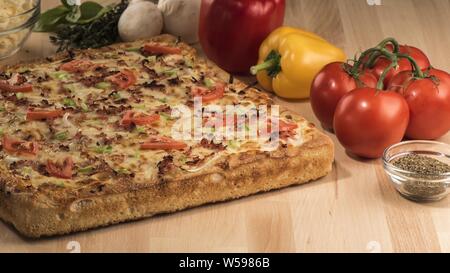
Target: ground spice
422, 167
421, 164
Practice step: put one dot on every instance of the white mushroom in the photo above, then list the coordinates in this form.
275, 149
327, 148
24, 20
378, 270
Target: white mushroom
141, 19
181, 18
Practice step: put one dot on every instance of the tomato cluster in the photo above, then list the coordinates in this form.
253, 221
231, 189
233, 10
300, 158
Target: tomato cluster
391, 92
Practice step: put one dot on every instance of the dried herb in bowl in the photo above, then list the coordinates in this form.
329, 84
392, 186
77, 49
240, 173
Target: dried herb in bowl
423, 167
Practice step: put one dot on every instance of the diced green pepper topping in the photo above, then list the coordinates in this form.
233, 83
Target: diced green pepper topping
103, 149
69, 102
84, 107
103, 85
209, 83
61, 136
133, 49
86, 170
60, 75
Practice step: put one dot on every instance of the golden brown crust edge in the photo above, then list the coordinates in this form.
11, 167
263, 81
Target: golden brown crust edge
34, 218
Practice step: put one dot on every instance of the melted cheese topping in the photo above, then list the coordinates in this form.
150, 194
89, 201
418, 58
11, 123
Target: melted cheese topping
90, 131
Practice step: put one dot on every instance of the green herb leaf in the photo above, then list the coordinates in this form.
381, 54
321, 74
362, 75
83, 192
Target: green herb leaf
19, 96
49, 20
91, 11
95, 32
74, 15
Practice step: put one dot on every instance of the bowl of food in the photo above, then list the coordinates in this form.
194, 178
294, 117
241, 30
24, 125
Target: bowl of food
17, 19
419, 170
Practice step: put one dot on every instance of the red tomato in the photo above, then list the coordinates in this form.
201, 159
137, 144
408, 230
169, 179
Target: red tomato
367, 121
20, 147
403, 64
60, 169
76, 66
131, 117
123, 79
209, 95
429, 103
40, 114
162, 143
155, 48
328, 87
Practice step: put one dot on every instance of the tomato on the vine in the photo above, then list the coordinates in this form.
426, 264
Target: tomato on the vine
428, 100
403, 64
330, 84
368, 120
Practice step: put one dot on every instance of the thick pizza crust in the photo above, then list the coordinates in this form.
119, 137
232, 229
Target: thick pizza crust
35, 214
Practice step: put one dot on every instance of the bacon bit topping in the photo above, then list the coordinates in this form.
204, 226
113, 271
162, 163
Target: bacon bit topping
123, 79
19, 147
60, 169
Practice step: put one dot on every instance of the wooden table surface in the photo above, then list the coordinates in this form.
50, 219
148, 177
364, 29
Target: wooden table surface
354, 209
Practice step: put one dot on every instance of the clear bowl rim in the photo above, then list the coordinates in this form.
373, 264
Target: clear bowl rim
35, 6
389, 167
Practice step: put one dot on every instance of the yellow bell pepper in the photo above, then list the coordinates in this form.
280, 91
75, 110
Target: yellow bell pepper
290, 58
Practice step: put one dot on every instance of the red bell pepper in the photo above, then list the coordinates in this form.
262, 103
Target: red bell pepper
231, 32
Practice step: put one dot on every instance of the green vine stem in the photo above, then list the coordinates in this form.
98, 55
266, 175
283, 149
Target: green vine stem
371, 51
382, 45
380, 84
417, 71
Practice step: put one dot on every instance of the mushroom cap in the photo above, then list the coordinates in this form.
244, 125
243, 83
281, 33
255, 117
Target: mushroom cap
181, 18
141, 19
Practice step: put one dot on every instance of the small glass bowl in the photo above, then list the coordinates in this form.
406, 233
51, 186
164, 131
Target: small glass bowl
415, 186
15, 30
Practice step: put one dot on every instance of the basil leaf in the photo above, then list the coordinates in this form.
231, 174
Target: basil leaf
89, 10
86, 19
74, 15
49, 19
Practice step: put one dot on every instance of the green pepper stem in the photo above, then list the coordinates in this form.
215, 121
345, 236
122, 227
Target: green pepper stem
271, 64
262, 66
